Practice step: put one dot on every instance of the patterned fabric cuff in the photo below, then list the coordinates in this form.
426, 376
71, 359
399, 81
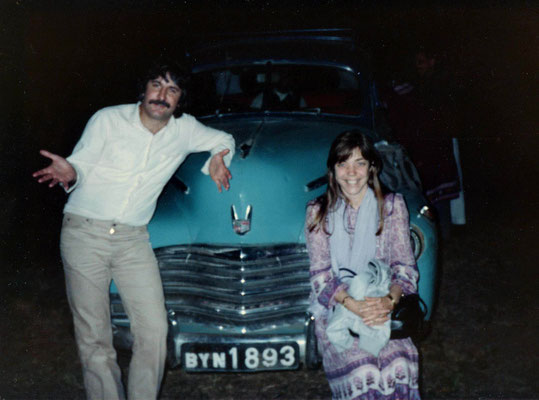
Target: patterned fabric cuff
327, 297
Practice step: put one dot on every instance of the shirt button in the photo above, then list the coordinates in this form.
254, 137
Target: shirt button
112, 230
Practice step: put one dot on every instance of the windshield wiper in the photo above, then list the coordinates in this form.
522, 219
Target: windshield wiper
315, 184
313, 110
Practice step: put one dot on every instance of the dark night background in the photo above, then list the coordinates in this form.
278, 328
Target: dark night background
62, 61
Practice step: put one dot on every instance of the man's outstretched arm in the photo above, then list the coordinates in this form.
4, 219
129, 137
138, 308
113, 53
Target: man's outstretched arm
59, 171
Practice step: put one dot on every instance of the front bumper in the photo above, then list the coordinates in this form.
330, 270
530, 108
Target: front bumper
305, 341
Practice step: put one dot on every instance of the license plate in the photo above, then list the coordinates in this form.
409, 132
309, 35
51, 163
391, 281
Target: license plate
239, 357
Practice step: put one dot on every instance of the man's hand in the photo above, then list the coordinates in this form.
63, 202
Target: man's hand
59, 171
218, 171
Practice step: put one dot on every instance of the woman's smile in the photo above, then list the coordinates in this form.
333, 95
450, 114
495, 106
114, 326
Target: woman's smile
352, 176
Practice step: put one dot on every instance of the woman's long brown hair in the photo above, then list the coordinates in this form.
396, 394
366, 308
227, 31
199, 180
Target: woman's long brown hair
341, 149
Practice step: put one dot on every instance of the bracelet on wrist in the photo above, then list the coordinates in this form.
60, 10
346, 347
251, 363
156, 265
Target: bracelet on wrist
393, 302
344, 300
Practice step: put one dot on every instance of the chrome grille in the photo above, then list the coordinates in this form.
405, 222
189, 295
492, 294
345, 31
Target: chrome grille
249, 286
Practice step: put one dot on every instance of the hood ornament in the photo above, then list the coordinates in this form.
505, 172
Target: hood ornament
241, 226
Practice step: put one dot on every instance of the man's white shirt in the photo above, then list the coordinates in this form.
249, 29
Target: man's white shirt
122, 167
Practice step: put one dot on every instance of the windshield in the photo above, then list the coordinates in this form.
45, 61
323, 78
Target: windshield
275, 88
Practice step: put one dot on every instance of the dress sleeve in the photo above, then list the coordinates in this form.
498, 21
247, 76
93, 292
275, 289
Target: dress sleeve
404, 270
324, 283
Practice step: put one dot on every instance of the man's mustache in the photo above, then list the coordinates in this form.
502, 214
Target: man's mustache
160, 103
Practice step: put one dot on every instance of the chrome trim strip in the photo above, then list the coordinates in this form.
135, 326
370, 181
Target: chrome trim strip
235, 287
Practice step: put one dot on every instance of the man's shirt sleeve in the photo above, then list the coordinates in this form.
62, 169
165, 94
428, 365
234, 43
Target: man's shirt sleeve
89, 148
204, 138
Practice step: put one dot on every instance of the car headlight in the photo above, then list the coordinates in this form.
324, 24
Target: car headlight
416, 240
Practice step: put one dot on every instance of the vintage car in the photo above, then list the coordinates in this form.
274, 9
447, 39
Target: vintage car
234, 265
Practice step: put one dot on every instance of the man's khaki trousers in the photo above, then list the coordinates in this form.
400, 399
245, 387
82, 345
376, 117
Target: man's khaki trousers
93, 253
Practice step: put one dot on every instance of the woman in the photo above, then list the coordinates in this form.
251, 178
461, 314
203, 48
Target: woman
345, 228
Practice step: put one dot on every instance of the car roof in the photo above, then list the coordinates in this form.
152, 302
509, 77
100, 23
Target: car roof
332, 47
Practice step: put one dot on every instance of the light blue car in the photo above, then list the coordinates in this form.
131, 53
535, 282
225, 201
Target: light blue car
234, 265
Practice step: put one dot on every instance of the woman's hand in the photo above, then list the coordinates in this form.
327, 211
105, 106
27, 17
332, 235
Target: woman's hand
373, 310
380, 309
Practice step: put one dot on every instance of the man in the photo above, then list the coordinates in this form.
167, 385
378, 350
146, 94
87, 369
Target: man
423, 115
281, 97
117, 170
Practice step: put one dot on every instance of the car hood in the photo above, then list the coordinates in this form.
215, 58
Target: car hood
275, 160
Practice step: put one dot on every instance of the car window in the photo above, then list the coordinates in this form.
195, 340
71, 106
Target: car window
271, 87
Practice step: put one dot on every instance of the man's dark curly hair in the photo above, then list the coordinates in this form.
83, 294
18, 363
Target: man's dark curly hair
180, 75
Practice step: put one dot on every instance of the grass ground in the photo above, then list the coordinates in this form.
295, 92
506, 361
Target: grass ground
482, 344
